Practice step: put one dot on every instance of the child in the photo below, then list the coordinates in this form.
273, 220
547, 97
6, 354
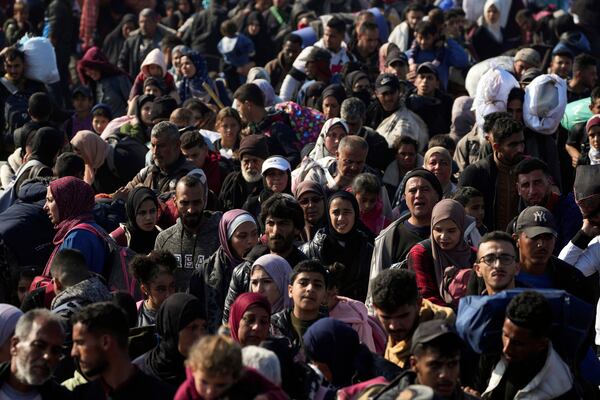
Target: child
592, 130
195, 149
101, 116
236, 49
472, 200
153, 65
366, 188
81, 120
229, 126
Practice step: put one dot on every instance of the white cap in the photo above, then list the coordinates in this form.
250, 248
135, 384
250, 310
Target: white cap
276, 162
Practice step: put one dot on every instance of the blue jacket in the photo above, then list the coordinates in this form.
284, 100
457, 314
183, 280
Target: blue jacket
453, 55
92, 247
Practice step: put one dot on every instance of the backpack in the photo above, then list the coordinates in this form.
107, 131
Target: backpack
480, 318
15, 111
305, 121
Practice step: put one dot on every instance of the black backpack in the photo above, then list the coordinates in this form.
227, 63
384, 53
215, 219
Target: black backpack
15, 110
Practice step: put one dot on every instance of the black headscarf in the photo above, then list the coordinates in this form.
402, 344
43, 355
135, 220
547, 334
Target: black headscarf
139, 103
263, 43
351, 79
336, 90
346, 237
313, 95
177, 311
113, 43
142, 242
45, 145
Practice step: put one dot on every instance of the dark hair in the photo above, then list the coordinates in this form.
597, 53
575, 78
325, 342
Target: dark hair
228, 28
531, 310
444, 140
445, 346
595, 94
337, 24
334, 274
191, 139
250, 92
310, 266
425, 28
414, 7
127, 303
490, 119
283, 206
524, 13
436, 16
104, 318
292, 37
170, 41
394, 288
40, 106
367, 26
453, 13
146, 268
516, 94
465, 193
405, 140
499, 236
102, 112
366, 182
583, 61
529, 165
563, 53
13, 53
197, 105
69, 267
69, 164
505, 128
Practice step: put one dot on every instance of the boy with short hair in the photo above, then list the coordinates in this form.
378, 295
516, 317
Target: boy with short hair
195, 149
473, 202
101, 116
81, 120
366, 188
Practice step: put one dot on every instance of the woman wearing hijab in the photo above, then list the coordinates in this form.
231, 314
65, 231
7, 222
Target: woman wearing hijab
344, 240
238, 233
333, 131
438, 161
462, 118
179, 323
195, 74
113, 43
107, 168
270, 276
358, 85
270, 97
438, 261
312, 95
109, 84
250, 319
488, 38
139, 128
140, 231
69, 204
256, 29
9, 315
312, 199
331, 100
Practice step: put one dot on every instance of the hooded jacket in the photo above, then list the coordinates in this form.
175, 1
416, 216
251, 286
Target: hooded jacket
155, 57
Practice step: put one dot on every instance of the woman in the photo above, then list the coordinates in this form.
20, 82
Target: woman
358, 85
238, 233
179, 323
488, 38
333, 131
109, 84
113, 43
69, 204
156, 275
9, 315
195, 75
270, 97
277, 178
139, 128
250, 319
176, 54
140, 231
442, 262
312, 199
255, 27
229, 126
344, 240
331, 100
270, 276
107, 168
438, 161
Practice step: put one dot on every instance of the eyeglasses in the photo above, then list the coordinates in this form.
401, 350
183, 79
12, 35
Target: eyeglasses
306, 200
490, 259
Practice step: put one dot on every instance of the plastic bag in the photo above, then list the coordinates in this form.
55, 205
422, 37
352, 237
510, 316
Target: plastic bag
492, 93
40, 59
576, 112
545, 103
478, 70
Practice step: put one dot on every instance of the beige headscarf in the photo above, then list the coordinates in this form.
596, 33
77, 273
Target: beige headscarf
93, 150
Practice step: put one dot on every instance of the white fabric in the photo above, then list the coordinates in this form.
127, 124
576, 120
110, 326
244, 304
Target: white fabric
320, 151
545, 103
478, 70
237, 221
399, 36
40, 59
339, 59
474, 10
492, 93
155, 57
404, 123
290, 85
586, 260
496, 28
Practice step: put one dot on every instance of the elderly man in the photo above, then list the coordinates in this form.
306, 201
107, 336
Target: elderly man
36, 350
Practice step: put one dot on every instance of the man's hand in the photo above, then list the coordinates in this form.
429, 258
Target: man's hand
589, 229
342, 181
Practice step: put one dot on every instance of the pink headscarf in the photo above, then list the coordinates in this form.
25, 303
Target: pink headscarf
75, 201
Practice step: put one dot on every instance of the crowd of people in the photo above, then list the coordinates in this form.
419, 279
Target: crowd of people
297, 199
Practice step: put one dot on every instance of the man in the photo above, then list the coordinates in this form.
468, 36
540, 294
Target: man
492, 175
400, 309
100, 345
535, 234
283, 219
535, 189
407, 159
141, 42
562, 63
350, 160
192, 240
429, 102
333, 42
497, 264
529, 367
396, 62
60, 22
585, 76
240, 185
403, 34
279, 67
35, 350
387, 93
317, 69
168, 164
421, 190
366, 48
275, 126
434, 362
353, 111
525, 59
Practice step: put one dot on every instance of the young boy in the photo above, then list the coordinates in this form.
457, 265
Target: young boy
101, 116
195, 149
308, 291
81, 120
473, 202
366, 188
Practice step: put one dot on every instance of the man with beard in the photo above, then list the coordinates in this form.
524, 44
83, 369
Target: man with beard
240, 185
283, 219
36, 350
493, 175
193, 239
100, 345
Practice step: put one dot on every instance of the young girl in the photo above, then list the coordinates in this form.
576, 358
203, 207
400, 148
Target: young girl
592, 129
333, 131
154, 65
155, 272
229, 125
366, 188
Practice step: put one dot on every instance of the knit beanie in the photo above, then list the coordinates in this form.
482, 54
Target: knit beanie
254, 145
163, 107
425, 174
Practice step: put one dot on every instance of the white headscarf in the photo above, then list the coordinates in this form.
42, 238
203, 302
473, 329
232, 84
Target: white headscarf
496, 28
320, 151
